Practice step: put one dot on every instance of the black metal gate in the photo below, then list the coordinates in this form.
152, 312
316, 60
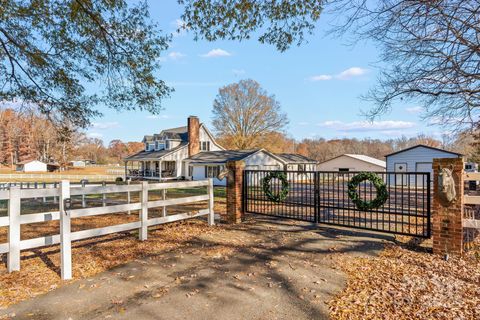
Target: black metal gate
322, 197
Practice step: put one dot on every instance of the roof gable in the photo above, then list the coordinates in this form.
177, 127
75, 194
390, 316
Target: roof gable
424, 146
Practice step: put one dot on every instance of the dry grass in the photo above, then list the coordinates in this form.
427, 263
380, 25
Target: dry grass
406, 284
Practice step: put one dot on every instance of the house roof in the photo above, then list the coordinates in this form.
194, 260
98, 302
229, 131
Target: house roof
424, 146
180, 133
28, 161
363, 158
221, 156
154, 155
295, 158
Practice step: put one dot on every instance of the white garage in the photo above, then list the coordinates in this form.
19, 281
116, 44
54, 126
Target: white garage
352, 162
418, 158
31, 166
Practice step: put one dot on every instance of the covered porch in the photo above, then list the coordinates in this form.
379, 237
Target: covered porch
151, 169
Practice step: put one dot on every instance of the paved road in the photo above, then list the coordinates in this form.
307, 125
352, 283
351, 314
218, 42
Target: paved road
262, 269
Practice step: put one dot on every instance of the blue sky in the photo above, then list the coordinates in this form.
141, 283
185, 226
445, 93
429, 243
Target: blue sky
318, 85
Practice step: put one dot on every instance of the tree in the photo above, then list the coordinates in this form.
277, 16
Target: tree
243, 112
430, 49
53, 53
286, 21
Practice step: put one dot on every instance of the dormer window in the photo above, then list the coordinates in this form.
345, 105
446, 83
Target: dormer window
205, 146
147, 147
167, 145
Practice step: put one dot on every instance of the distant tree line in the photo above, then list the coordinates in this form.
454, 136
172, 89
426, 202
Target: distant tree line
27, 134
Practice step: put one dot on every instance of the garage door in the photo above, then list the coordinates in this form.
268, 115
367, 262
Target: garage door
423, 167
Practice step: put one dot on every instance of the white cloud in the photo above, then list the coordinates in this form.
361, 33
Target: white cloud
174, 55
351, 72
215, 53
238, 72
344, 75
322, 77
104, 125
387, 125
416, 109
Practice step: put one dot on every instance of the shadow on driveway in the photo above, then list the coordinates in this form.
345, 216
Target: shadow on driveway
264, 268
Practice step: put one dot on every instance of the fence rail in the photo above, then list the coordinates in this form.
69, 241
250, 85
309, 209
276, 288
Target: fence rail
39, 176
15, 219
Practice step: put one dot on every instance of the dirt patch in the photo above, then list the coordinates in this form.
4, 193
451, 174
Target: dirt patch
406, 284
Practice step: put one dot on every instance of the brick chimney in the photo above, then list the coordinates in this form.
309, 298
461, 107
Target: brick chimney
193, 135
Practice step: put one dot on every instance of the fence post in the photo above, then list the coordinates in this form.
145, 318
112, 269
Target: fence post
447, 226
164, 197
128, 196
55, 185
211, 212
44, 199
65, 235
13, 260
84, 203
104, 196
235, 210
316, 195
142, 234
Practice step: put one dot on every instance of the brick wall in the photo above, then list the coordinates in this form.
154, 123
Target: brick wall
234, 191
447, 229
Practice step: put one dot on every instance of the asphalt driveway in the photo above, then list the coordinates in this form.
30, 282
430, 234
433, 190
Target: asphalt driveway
265, 268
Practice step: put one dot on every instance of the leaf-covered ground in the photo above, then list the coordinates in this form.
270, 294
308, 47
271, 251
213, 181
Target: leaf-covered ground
405, 284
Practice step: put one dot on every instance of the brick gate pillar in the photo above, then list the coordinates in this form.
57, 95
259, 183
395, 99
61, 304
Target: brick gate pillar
234, 191
447, 229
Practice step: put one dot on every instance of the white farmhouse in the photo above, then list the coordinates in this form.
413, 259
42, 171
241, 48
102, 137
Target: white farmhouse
31, 166
352, 162
191, 152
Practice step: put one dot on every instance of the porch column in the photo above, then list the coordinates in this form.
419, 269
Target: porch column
151, 168
160, 170
126, 170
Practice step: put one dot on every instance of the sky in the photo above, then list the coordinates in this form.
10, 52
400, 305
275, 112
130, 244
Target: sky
319, 85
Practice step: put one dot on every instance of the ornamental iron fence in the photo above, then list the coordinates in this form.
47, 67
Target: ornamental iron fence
402, 204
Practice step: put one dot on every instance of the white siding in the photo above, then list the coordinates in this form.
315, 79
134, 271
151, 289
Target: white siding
416, 155
178, 156
204, 136
34, 166
199, 174
352, 164
262, 161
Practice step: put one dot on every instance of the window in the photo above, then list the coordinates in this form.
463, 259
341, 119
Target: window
301, 167
156, 145
343, 169
205, 146
212, 171
190, 171
167, 144
468, 167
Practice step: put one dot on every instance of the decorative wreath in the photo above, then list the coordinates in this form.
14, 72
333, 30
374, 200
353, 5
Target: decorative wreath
282, 195
382, 193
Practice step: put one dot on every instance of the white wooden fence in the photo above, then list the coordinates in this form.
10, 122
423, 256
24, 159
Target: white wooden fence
471, 221
40, 176
15, 219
